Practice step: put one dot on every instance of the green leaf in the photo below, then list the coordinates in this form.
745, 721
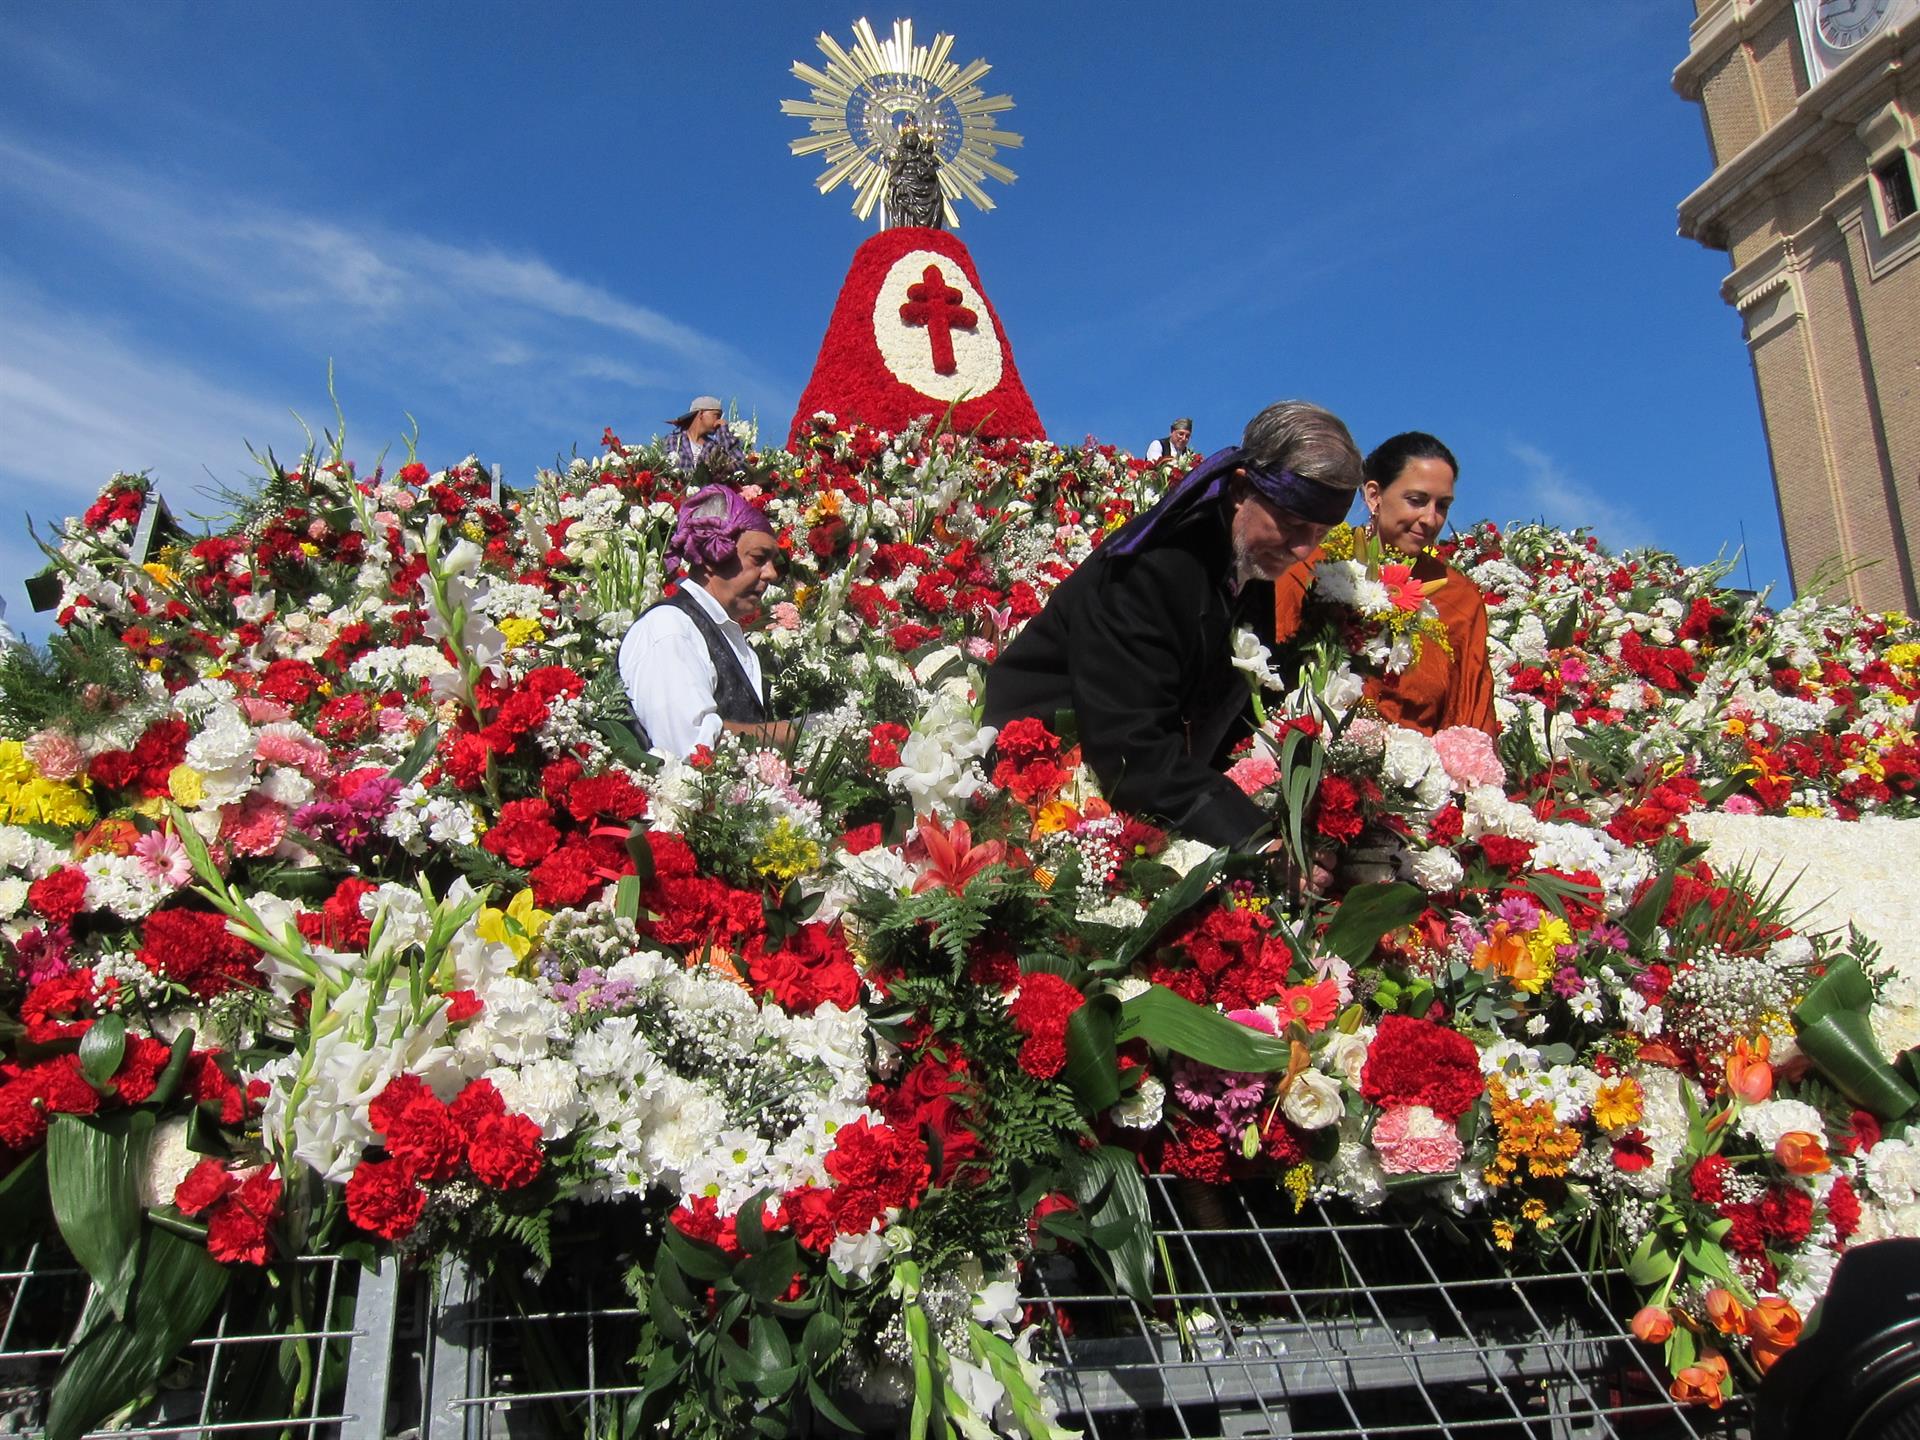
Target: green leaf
821, 1339
418, 754
641, 853
1708, 1259
699, 1259
1682, 1349
1369, 912
1163, 1018
1650, 1264
829, 1411
1561, 635
1092, 1069
114, 1362
168, 1085
624, 744
1837, 1035
750, 1224
626, 898
1167, 906
1106, 1182
93, 1178
101, 1050
1640, 921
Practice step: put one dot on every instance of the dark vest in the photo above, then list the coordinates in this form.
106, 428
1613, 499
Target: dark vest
733, 694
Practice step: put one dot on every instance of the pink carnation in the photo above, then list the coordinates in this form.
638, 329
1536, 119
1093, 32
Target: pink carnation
1412, 1140
256, 826
1468, 757
54, 755
292, 747
1253, 773
260, 710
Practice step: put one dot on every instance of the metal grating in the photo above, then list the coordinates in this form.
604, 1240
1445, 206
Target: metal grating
203, 1392
1338, 1323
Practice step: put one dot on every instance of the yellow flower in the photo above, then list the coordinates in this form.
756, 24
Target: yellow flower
1503, 1234
518, 927
1906, 656
520, 631
309, 549
1055, 817
1806, 812
786, 853
44, 802
1298, 1182
1734, 727
160, 574
156, 663
184, 784
1618, 1103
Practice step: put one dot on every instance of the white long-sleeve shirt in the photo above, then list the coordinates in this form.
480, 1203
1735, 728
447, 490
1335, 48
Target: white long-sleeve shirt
669, 676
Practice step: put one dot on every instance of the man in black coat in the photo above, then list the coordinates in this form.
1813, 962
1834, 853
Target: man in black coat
1138, 641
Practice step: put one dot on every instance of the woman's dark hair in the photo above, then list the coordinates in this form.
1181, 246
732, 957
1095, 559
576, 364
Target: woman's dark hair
1390, 457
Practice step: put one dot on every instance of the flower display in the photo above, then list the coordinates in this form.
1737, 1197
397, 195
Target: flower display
326, 839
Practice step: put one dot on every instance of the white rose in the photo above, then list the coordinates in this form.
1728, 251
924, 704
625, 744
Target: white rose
1346, 1055
1313, 1100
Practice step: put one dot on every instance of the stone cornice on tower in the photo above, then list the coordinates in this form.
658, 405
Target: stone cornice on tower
1826, 116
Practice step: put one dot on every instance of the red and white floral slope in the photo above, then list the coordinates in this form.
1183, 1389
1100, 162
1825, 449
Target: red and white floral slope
912, 334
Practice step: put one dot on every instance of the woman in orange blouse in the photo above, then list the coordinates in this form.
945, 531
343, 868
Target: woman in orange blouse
1408, 490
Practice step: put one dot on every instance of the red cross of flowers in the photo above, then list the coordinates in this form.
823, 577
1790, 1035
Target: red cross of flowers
936, 305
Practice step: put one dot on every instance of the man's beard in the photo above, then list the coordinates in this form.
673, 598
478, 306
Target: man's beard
1247, 568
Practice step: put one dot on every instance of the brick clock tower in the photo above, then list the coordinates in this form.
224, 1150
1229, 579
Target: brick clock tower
1811, 110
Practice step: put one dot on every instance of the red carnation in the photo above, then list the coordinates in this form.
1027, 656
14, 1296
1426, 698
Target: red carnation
23, 1122
193, 948
391, 1103
424, 1138
1040, 1012
59, 894
478, 1101
140, 1066
1416, 1062
382, 1199
58, 1009
1337, 813
524, 834
505, 1151
237, 1227
1843, 1207
883, 744
861, 839
812, 967
875, 1168
206, 1185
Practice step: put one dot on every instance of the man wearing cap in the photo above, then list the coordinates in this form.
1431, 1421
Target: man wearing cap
1175, 442
702, 435
1138, 642
686, 664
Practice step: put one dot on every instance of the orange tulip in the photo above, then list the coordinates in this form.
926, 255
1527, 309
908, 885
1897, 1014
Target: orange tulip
1651, 1324
1774, 1322
1725, 1312
1763, 1356
1749, 1076
1700, 1382
1802, 1153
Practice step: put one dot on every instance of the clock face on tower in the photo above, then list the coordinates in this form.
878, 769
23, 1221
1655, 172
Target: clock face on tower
1845, 23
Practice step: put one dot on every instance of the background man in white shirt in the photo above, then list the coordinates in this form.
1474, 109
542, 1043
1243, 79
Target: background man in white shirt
686, 664
1175, 442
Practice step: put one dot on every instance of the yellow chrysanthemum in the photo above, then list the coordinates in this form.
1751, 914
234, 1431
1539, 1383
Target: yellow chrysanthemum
160, 574
520, 631
1906, 656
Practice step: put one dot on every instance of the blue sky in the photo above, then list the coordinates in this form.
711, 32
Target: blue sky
520, 224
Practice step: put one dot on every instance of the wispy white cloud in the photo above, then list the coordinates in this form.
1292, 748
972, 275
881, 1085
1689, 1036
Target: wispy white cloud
489, 332
1559, 498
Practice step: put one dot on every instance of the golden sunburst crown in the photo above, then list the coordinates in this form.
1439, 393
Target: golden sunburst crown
865, 94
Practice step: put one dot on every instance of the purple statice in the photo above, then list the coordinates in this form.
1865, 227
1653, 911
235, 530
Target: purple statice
592, 991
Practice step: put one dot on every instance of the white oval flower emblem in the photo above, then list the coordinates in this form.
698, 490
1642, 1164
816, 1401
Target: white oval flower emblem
933, 328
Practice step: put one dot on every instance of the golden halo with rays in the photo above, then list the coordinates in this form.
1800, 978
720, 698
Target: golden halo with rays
862, 96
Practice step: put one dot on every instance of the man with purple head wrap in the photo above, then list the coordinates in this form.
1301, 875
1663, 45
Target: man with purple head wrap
1138, 642
686, 664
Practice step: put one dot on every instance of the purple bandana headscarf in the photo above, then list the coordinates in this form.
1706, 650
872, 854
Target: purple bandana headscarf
1207, 481
707, 533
